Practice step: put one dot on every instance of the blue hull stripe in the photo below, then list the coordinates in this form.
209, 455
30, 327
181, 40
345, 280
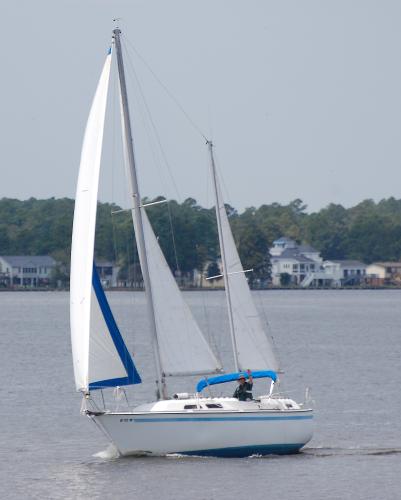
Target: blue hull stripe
246, 451
132, 374
221, 419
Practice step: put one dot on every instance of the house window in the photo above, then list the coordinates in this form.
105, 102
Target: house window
302, 267
295, 267
312, 267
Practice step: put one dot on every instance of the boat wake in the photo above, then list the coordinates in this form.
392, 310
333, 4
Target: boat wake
352, 451
109, 453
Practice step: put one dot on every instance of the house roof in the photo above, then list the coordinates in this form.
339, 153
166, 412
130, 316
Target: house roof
293, 253
303, 248
284, 239
349, 263
386, 264
25, 260
307, 249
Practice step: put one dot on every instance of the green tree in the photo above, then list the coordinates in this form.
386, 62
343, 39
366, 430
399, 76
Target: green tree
252, 246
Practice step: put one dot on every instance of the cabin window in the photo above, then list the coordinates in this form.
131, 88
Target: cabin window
190, 407
214, 405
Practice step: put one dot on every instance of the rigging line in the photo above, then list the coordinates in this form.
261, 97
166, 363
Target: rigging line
205, 306
168, 92
173, 237
152, 123
206, 303
132, 68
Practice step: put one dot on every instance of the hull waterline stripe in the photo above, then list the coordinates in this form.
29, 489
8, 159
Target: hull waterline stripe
220, 419
246, 451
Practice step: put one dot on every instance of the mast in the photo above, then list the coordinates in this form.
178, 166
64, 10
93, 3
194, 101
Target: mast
137, 216
223, 257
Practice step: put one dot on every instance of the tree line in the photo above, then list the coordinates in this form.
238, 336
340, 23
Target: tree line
187, 232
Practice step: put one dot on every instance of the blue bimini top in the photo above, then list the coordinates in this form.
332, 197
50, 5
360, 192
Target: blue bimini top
229, 377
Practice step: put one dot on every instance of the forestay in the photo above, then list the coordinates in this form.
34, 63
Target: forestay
99, 354
254, 349
183, 348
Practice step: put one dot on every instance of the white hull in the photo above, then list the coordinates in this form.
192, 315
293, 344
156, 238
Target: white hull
234, 433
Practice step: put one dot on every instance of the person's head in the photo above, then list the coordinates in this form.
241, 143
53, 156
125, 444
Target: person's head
241, 379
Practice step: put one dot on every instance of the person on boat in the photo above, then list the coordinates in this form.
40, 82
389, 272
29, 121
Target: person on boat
244, 389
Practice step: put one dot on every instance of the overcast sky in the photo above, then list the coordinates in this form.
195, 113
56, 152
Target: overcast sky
302, 98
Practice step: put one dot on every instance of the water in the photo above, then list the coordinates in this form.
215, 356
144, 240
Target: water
344, 344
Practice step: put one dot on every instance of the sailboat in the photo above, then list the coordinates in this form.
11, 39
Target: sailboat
189, 423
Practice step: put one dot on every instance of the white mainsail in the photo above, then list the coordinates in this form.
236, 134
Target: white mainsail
254, 350
183, 348
99, 354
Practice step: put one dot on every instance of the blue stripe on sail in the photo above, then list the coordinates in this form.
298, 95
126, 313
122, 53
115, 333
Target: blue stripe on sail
132, 374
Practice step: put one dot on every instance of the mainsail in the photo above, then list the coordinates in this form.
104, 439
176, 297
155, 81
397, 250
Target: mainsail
183, 348
254, 350
100, 356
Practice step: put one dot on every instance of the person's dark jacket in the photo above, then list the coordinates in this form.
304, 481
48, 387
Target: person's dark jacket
243, 391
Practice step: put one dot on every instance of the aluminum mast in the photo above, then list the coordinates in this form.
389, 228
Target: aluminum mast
137, 216
223, 257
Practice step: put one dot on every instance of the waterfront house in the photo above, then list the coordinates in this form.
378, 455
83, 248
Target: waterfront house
26, 271
305, 267
382, 273
301, 262
345, 272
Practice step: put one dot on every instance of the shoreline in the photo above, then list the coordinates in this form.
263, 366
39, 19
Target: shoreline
193, 289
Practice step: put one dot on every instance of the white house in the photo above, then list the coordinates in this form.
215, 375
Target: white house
300, 262
27, 271
305, 266
345, 272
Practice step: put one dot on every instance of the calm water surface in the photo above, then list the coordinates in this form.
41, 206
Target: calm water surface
345, 345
